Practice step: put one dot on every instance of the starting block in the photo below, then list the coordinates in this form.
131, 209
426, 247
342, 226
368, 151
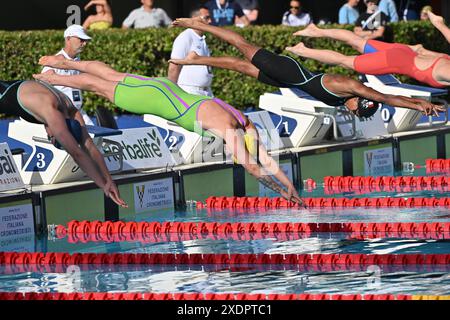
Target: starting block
301, 120
401, 119
47, 164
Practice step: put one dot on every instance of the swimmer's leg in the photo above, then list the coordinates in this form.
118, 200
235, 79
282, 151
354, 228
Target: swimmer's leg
233, 38
346, 36
96, 68
84, 81
229, 63
324, 56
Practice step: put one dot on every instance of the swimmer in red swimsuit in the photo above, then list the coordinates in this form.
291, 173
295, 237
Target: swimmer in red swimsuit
378, 57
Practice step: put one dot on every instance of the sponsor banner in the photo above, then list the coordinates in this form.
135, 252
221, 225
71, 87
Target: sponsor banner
270, 136
287, 169
10, 178
153, 195
379, 162
143, 148
16, 227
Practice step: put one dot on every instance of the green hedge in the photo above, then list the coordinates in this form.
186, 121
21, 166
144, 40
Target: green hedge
146, 52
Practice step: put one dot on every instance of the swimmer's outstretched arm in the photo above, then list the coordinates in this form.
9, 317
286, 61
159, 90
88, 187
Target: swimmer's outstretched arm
235, 145
56, 122
271, 166
356, 88
110, 189
439, 24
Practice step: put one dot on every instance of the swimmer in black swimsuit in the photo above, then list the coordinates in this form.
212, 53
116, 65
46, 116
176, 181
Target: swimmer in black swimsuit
285, 72
38, 102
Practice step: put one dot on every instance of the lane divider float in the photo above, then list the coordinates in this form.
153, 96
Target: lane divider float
267, 203
67, 259
96, 231
341, 184
208, 296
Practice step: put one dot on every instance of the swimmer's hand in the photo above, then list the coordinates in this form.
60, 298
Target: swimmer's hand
437, 109
57, 62
292, 195
429, 109
112, 192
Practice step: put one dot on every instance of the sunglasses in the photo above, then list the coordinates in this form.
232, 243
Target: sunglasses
206, 17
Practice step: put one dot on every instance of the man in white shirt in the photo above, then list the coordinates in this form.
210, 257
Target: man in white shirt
75, 42
192, 79
147, 16
295, 17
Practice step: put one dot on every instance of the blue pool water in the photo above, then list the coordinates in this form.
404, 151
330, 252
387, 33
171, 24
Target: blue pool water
429, 280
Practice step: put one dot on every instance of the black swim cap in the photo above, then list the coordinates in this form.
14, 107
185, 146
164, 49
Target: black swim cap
75, 129
366, 108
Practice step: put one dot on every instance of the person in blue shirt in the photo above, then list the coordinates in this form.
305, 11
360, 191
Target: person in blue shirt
389, 9
224, 13
348, 14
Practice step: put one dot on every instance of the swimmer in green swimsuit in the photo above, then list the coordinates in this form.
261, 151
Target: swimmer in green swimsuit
161, 97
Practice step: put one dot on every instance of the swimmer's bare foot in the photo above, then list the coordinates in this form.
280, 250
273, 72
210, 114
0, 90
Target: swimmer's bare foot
311, 31
52, 61
48, 76
189, 60
435, 19
189, 22
299, 49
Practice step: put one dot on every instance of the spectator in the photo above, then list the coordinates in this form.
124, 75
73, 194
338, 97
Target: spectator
103, 19
192, 79
295, 17
76, 40
424, 13
410, 10
224, 13
389, 9
147, 16
348, 14
251, 9
373, 23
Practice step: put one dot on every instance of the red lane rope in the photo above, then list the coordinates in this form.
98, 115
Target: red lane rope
197, 296
437, 165
340, 184
174, 237
96, 231
267, 203
67, 259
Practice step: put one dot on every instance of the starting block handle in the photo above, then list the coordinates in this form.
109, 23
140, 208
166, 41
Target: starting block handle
321, 114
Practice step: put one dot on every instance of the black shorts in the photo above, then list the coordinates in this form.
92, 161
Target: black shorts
9, 101
285, 72
280, 70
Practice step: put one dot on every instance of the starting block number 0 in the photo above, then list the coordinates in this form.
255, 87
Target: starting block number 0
385, 115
